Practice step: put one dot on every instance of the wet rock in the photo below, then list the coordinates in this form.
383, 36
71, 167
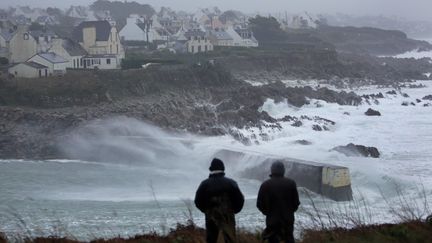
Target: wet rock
324, 120
240, 137
297, 124
373, 96
372, 112
303, 142
317, 128
416, 86
427, 97
353, 150
287, 119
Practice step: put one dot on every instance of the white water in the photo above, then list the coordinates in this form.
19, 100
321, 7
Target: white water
144, 174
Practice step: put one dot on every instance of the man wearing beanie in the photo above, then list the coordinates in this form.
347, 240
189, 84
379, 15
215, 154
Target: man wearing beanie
219, 198
278, 200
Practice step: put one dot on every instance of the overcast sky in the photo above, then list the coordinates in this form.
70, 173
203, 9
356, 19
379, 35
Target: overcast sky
410, 9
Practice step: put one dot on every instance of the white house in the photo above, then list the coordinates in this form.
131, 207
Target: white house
246, 41
197, 41
22, 45
143, 29
55, 63
101, 61
69, 50
29, 70
99, 37
220, 37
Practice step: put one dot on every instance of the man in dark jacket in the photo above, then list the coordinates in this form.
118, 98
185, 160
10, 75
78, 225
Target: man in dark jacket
278, 200
220, 199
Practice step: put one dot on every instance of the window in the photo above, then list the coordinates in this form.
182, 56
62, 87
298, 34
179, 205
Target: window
108, 61
46, 72
74, 63
81, 62
199, 48
205, 47
193, 49
40, 73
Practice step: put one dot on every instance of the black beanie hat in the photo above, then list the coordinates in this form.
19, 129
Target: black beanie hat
277, 169
217, 164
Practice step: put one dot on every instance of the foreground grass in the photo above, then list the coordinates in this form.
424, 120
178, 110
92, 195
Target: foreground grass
415, 231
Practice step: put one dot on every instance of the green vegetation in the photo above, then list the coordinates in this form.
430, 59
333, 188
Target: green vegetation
120, 10
410, 232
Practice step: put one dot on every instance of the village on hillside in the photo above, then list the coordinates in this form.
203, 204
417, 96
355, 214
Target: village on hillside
38, 42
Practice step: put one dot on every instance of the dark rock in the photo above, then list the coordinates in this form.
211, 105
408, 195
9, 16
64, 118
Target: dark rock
413, 104
427, 97
323, 120
303, 142
317, 128
392, 92
239, 137
426, 105
405, 95
416, 86
297, 124
287, 119
373, 96
372, 112
353, 150
405, 103
418, 100
347, 113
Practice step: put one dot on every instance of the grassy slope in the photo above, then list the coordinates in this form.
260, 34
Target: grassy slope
388, 233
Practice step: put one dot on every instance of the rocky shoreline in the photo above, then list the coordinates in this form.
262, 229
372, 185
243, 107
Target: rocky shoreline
209, 99
204, 101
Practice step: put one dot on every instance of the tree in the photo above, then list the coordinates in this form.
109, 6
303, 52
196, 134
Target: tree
121, 10
54, 12
35, 26
267, 29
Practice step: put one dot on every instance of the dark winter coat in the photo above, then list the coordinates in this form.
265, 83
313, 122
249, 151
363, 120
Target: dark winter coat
221, 193
278, 199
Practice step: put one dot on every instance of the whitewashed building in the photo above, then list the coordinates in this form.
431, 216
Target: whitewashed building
99, 38
219, 37
101, 61
245, 41
140, 29
21, 45
56, 64
69, 50
197, 41
29, 70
